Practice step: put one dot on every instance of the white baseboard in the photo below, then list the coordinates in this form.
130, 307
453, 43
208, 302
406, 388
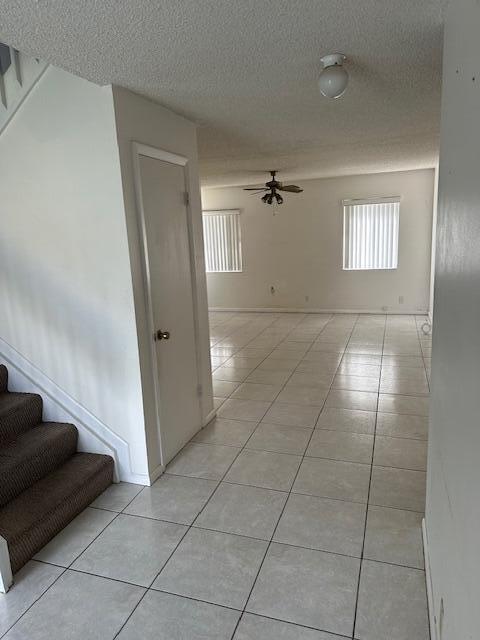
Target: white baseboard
134, 478
149, 479
403, 312
209, 417
155, 474
93, 435
6, 577
428, 578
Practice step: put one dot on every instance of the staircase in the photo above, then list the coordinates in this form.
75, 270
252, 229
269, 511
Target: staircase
44, 482
18, 75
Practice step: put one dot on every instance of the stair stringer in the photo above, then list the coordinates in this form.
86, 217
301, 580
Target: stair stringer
58, 406
6, 577
15, 85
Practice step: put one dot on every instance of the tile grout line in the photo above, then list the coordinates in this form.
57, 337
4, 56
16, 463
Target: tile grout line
255, 486
188, 528
281, 388
285, 504
219, 482
423, 353
375, 430
270, 353
283, 544
252, 371
240, 348
245, 346
274, 400
68, 568
368, 493
293, 481
242, 447
244, 535
36, 600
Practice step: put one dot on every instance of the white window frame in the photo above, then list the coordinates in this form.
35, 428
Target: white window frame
236, 248
346, 228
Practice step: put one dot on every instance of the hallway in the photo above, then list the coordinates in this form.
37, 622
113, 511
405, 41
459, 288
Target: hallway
295, 515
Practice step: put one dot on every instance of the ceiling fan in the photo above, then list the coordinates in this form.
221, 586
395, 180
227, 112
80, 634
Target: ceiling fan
272, 187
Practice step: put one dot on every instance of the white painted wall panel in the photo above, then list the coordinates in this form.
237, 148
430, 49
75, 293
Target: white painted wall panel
65, 283
453, 505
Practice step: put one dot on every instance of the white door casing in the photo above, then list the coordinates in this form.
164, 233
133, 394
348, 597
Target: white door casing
165, 236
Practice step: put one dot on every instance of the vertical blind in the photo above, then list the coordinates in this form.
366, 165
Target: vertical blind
223, 246
370, 233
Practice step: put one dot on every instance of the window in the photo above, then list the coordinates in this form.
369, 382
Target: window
223, 246
370, 233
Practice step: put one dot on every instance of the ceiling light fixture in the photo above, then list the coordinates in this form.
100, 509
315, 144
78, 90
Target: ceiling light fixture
333, 78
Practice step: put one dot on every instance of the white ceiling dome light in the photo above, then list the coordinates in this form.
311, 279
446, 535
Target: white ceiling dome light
334, 78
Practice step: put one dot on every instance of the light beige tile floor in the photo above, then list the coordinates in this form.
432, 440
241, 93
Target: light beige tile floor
295, 515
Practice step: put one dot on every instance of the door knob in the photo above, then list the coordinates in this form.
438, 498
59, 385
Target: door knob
162, 335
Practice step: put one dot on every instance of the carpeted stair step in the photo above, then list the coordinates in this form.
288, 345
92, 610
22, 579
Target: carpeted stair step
34, 454
3, 378
18, 413
33, 518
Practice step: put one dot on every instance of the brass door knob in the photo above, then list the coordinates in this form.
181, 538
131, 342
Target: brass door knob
162, 335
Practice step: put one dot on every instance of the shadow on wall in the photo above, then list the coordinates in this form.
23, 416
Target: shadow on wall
60, 330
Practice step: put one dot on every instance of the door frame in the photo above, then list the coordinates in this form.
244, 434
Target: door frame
140, 149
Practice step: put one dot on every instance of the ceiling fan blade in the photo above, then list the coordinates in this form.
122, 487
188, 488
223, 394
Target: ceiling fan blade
290, 187
255, 189
254, 193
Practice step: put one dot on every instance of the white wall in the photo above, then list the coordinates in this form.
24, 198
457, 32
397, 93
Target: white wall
65, 285
453, 502
299, 250
144, 121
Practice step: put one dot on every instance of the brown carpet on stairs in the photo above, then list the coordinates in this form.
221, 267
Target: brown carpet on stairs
44, 482
19, 412
33, 454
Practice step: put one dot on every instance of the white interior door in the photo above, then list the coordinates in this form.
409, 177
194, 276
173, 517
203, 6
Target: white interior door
170, 283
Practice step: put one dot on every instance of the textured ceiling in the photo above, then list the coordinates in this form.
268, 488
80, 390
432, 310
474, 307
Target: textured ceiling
246, 71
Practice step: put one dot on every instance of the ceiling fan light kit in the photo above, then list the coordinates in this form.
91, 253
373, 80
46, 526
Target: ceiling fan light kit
333, 79
271, 189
